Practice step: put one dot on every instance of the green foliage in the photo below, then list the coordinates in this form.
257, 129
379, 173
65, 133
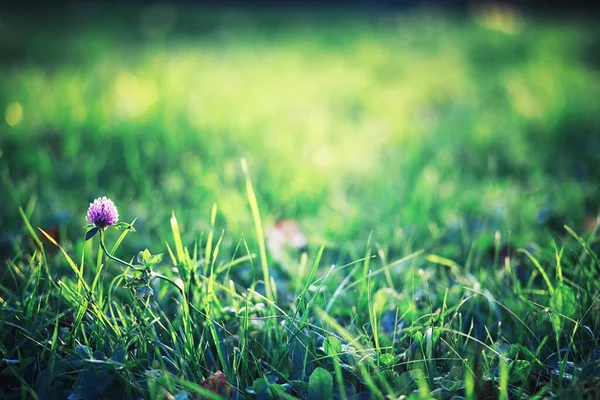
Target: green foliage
564, 305
444, 173
320, 385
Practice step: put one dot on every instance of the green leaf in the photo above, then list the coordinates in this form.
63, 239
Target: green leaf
277, 391
107, 364
418, 337
519, 371
90, 234
147, 259
320, 385
260, 385
387, 359
143, 256
155, 259
564, 300
451, 385
143, 291
119, 354
11, 371
83, 352
300, 386
517, 350
26, 362
405, 383
137, 275
332, 346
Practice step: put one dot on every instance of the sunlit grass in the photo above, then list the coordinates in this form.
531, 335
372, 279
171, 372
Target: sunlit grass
317, 111
432, 161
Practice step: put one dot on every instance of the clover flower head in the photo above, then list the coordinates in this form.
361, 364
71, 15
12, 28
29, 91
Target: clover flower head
102, 213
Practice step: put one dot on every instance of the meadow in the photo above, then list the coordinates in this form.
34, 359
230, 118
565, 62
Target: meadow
312, 204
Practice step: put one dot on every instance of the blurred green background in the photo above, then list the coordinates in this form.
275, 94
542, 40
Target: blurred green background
418, 126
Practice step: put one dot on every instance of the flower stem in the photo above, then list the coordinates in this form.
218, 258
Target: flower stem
103, 246
154, 274
171, 281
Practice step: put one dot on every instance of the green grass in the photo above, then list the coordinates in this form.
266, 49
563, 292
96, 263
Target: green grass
444, 169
